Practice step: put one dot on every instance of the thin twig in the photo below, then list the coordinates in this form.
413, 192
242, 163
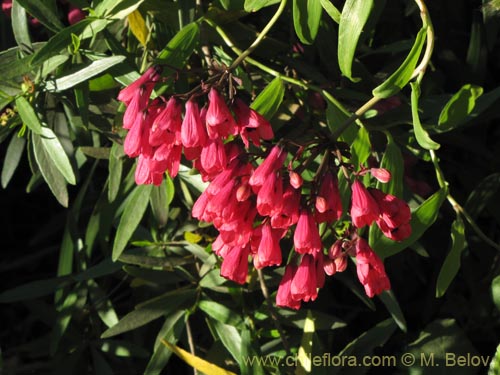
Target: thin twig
190, 342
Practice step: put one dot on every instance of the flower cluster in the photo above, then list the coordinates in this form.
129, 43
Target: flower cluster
254, 206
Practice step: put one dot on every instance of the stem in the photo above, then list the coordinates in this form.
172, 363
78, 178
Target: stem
427, 22
355, 116
272, 311
260, 37
190, 342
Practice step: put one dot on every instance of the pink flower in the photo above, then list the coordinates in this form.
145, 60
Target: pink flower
213, 157
136, 140
370, 269
328, 201
251, 125
306, 238
269, 251
193, 133
381, 174
145, 172
284, 295
296, 179
220, 122
289, 213
395, 215
235, 264
166, 127
7, 7
270, 165
144, 84
304, 281
270, 196
364, 209
75, 14
171, 156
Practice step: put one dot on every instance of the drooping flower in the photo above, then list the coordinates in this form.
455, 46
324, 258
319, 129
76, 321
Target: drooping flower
370, 269
235, 264
213, 157
364, 208
142, 86
328, 201
268, 251
166, 127
146, 171
284, 295
219, 120
270, 196
193, 132
270, 165
252, 126
306, 238
290, 208
381, 174
304, 283
395, 215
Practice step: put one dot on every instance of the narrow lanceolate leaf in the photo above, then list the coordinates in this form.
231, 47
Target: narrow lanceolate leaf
12, 157
423, 138
95, 68
230, 338
402, 75
421, 219
115, 168
306, 19
391, 303
40, 10
51, 174
457, 109
138, 27
180, 47
354, 16
269, 100
332, 11
393, 162
28, 115
306, 345
132, 215
117, 9
255, 5
196, 362
56, 152
20, 26
220, 312
451, 264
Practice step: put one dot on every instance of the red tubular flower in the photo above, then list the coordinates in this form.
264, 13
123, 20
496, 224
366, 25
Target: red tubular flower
147, 172
271, 163
270, 196
193, 133
7, 7
213, 157
306, 238
364, 209
75, 14
220, 122
296, 179
381, 174
395, 215
251, 124
284, 295
289, 213
171, 156
166, 127
370, 269
304, 282
144, 84
235, 264
269, 251
328, 201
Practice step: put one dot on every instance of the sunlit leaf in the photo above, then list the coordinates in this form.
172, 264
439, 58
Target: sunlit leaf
306, 19
269, 100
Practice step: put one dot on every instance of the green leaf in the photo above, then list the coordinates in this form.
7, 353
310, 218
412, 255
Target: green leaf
304, 353
86, 28
452, 262
82, 75
402, 75
364, 345
20, 26
220, 313
269, 100
28, 115
179, 48
102, 304
495, 291
12, 157
393, 162
255, 5
480, 197
49, 170
229, 337
306, 19
115, 169
171, 332
457, 109
57, 154
423, 138
150, 310
332, 11
494, 368
361, 147
132, 215
421, 219
43, 12
34, 289
117, 9
96, 152
354, 15
160, 201
391, 303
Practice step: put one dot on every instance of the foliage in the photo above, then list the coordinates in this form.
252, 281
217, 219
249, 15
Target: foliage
105, 276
